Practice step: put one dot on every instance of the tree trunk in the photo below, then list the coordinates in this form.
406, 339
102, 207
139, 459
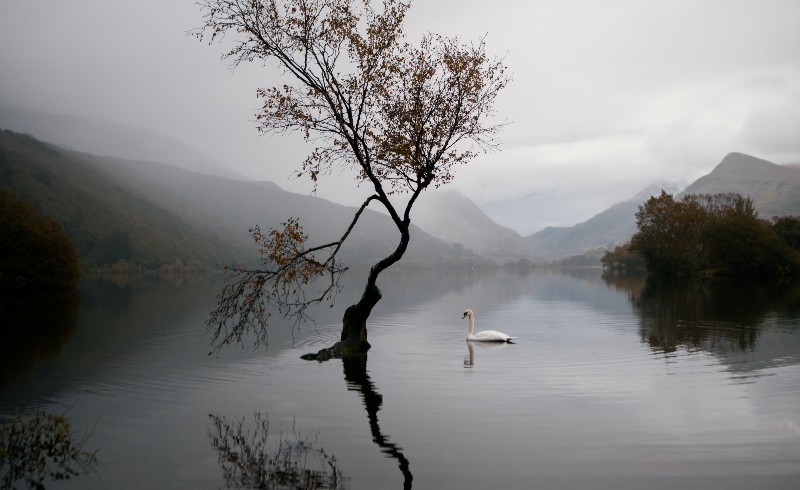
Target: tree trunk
354, 328
354, 323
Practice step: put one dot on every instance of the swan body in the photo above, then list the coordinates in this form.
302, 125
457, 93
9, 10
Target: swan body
486, 335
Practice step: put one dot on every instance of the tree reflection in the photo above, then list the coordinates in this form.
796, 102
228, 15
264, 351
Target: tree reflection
250, 459
355, 373
34, 327
722, 316
35, 448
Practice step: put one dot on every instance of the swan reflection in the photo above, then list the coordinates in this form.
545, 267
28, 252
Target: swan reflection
469, 360
355, 373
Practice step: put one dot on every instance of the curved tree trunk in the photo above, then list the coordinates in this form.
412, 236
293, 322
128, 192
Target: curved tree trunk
354, 322
354, 328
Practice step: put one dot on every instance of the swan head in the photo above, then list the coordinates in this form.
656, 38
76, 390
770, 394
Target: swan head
467, 313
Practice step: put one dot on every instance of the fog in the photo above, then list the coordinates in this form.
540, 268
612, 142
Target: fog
607, 98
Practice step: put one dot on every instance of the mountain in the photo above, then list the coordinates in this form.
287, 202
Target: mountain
106, 221
774, 189
534, 211
607, 229
107, 138
451, 217
227, 209
151, 213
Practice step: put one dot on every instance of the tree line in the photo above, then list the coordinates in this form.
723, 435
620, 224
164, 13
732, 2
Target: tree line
709, 234
35, 253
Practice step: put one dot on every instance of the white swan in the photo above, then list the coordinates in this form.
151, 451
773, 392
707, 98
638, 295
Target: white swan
486, 335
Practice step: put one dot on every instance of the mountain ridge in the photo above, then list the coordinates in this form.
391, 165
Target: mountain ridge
610, 227
104, 138
774, 189
454, 218
160, 213
448, 227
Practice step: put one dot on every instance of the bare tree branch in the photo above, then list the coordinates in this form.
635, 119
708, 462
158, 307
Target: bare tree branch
402, 116
287, 270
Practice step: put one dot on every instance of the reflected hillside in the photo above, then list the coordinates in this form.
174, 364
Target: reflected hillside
115, 319
748, 325
34, 328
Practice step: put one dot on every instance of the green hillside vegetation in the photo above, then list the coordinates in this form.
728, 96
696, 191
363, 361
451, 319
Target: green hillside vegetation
125, 214
773, 189
35, 253
710, 234
108, 223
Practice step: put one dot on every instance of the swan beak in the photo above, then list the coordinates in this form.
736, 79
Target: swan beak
464, 315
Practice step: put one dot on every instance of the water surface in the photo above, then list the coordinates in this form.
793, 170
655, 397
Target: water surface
611, 384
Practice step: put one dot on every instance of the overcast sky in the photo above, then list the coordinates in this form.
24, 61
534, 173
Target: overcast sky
607, 96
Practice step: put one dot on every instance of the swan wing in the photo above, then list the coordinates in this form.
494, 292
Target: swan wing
490, 336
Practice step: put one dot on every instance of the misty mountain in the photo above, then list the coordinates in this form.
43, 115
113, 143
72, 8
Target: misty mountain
226, 209
533, 212
112, 139
107, 221
610, 228
162, 212
774, 189
451, 217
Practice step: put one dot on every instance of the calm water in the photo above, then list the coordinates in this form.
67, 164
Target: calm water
610, 384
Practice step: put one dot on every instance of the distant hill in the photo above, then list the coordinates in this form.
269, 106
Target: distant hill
157, 213
612, 227
774, 189
451, 217
106, 221
226, 209
110, 139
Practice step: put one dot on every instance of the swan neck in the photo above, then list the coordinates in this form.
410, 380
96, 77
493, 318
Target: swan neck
471, 325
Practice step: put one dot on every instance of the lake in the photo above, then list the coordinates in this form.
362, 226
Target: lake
611, 384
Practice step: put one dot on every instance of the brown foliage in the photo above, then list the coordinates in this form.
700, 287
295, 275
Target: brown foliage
35, 253
402, 116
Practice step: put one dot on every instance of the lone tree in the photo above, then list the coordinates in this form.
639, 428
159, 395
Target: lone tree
403, 116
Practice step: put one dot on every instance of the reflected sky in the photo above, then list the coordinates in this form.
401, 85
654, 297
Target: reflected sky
610, 384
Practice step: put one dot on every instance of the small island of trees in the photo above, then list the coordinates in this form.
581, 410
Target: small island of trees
709, 234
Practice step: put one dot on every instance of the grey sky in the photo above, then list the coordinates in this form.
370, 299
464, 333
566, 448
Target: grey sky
608, 96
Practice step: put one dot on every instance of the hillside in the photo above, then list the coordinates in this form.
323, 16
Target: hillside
106, 221
226, 209
607, 229
455, 219
152, 214
774, 189
107, 138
